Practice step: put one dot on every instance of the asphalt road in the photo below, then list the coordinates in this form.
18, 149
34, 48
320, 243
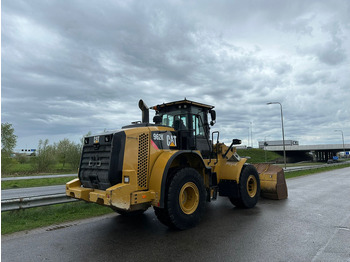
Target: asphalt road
312, 225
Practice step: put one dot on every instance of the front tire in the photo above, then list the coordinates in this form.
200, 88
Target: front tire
249, 188
185, 200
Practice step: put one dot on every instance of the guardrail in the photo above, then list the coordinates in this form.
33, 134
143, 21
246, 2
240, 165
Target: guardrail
314, 167
35, 201
36, 177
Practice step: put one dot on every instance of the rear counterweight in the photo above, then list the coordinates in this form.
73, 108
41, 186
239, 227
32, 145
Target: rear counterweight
101, 162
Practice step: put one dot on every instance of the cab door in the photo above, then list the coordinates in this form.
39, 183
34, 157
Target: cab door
201, 140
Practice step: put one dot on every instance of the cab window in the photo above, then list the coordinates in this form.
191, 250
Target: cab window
167, 120
198, 129
179, 122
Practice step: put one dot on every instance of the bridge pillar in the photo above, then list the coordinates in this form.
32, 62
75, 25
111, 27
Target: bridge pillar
314, 156
322, 156
319, 155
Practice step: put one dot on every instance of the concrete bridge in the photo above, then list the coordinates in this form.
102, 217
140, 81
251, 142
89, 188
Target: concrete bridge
318, 152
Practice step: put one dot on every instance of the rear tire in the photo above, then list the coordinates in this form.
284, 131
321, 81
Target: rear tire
249, 188
185, 200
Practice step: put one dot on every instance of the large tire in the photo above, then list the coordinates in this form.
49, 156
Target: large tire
184, 200
163, 216
249, 188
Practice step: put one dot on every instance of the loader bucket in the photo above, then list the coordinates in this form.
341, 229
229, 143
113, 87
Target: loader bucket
272, 181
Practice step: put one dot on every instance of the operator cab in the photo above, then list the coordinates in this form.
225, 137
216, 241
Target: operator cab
190, 120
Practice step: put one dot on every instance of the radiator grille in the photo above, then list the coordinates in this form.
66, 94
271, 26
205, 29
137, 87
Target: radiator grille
142, 164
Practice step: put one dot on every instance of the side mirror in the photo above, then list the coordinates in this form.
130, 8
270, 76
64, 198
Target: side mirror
236, 141
213, 117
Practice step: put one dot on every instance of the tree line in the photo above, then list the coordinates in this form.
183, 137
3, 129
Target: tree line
47, 156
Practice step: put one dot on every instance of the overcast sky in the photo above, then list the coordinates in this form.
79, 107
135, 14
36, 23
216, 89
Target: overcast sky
70, 67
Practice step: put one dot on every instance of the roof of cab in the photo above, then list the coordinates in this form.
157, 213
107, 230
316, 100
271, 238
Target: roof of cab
182, 102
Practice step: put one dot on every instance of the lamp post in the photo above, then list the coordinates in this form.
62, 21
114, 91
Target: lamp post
284, 145
248, 137
265, 145
251, 134
342, 136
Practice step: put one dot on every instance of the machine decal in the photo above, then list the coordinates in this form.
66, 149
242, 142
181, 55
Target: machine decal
158, 136
95, 161
171, 140
164, 140
154, 145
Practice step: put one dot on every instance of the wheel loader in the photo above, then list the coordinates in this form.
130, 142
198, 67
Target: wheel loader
174, 164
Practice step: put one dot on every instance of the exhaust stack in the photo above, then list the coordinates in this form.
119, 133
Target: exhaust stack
145, 111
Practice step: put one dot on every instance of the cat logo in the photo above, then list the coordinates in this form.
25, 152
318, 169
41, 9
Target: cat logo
95, 161
171, 140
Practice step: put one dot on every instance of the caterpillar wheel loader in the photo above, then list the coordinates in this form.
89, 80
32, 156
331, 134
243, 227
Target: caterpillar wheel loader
173, 165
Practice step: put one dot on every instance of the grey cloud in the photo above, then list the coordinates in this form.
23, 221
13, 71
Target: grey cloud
283, 68
331, 53
80, 66
314, 77
299, 25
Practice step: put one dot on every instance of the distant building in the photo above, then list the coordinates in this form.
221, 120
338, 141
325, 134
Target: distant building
28, 152
262, 144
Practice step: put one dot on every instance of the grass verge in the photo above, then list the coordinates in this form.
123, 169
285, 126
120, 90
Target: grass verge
27, 169
313, 171
19, 220
258, 155
35, 182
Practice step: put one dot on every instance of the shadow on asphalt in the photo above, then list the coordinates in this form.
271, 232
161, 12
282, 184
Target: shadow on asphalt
220, 213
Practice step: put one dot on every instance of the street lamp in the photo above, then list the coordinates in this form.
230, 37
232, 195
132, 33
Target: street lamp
251, 133
342, 136
248, 137
284, 145
265, 144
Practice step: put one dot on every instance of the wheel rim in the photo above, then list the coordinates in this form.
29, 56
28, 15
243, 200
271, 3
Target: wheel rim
252, 186
189, 198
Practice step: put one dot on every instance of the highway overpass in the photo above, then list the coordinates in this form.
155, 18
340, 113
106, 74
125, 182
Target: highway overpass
318, 152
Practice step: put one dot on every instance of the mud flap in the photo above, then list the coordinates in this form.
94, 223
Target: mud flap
272, 181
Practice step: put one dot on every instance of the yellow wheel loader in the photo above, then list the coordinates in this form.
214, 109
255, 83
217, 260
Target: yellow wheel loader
173, 165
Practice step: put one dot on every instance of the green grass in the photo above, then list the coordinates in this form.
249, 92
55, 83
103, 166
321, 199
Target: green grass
258, 155
35, 182
21, 168
314, 171
18, 169
19, 220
